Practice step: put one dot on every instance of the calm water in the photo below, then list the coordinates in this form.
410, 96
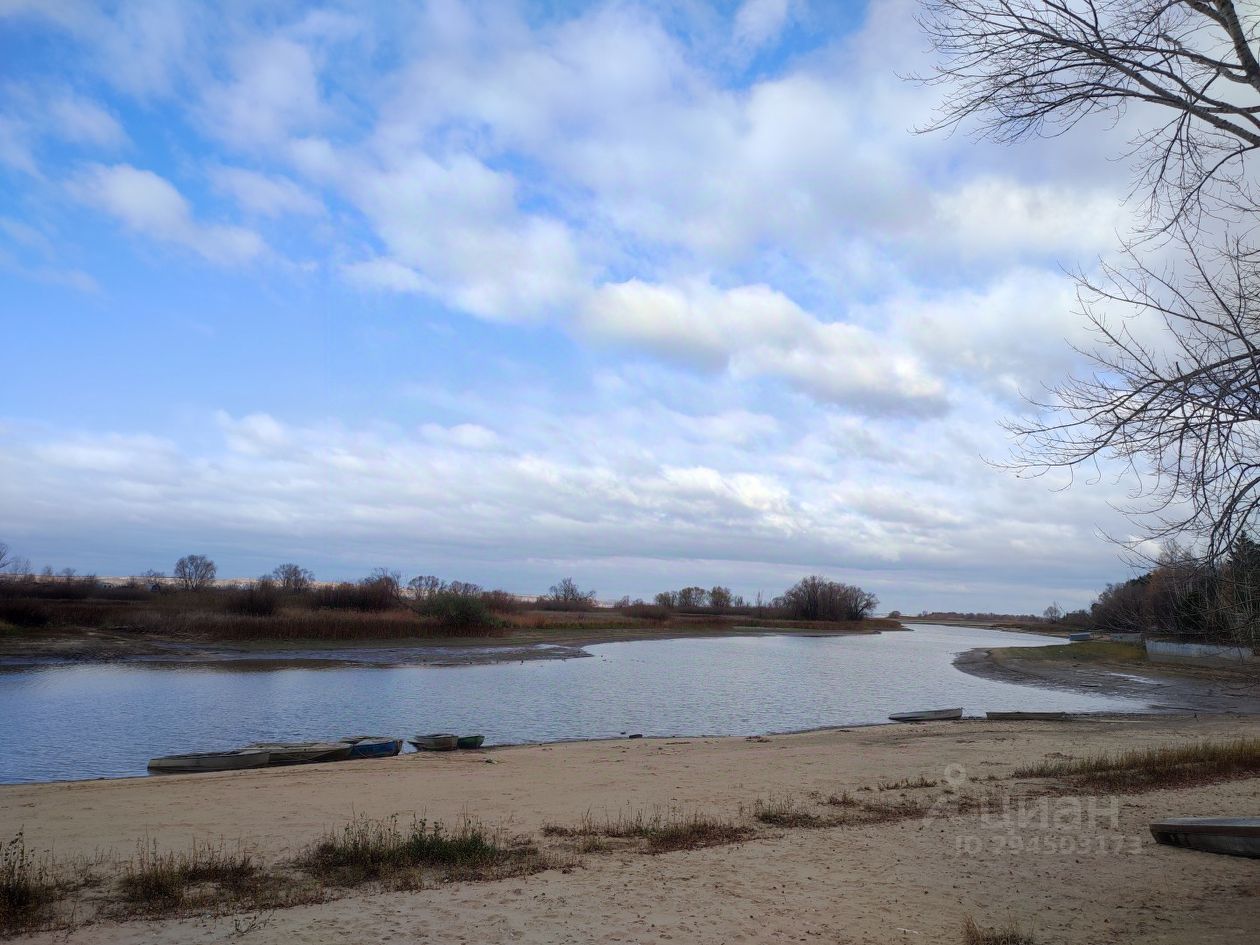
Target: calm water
68, 722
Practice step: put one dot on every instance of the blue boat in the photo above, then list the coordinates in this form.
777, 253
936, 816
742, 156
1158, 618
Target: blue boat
372, 746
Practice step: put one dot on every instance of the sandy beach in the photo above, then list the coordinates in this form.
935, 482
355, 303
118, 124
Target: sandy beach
1088, 873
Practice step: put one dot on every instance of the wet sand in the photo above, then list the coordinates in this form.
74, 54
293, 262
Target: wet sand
1164, 687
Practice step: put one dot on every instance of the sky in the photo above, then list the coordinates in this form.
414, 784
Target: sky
647, 294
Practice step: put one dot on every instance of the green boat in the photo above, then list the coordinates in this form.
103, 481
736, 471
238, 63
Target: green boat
471, 741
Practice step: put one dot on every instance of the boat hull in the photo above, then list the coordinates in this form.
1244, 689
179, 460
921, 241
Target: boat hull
373, 747
304, 753
208, 761
1231, 836
440, 742
471, 741
930, 715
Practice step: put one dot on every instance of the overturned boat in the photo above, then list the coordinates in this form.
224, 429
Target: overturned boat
1232, 836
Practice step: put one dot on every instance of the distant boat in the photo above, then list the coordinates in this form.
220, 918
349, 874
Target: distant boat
1026, 716
372, 746
233, 760
927, 715
1082, 637
1233, 836
471, 741
440, 742
301, 753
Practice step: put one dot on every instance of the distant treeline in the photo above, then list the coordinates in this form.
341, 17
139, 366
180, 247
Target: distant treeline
192, 598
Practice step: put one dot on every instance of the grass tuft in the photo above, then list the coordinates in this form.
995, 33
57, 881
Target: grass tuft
662, 832
783, 812
972, 934
154, 881
379, 849
27, 890
1148, 769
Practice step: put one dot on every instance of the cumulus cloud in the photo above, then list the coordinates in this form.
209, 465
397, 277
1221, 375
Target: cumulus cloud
273, 93
150, 204
755, 331
263, 194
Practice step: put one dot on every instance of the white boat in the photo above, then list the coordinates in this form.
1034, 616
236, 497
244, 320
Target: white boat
1233, 836
233, 760
927, 715
300, 753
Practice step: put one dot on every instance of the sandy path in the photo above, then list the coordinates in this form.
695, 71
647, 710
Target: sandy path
1095, 883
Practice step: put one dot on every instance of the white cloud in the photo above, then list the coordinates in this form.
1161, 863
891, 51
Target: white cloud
755, 331
264, 195
457, 225
274, 93
150, 204
758, 22
77, 119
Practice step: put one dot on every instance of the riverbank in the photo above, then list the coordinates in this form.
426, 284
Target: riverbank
564, 640
913, 879
1119, 670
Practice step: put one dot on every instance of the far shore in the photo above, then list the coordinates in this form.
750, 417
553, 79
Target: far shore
912, 877
20, 648
1120, 670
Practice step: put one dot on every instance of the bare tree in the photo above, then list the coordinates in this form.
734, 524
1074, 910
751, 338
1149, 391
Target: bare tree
195, 572
5, 558
1053, 613
568, 595
424, 586
1180, 410
1027, 67
292, 578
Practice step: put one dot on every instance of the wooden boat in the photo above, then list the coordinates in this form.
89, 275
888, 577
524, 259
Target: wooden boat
1027, 716
927, 715
471, 741
232, 760
372, 746
1233, 836
441, 742
303, 753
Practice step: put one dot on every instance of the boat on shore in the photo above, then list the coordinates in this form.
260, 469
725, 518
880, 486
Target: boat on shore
928, 715
1232, 836
470, 741
372, 746
205, 761
303, 753
443, 741
1027, 716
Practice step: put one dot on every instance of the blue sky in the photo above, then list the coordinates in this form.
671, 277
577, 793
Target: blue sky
647, 294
